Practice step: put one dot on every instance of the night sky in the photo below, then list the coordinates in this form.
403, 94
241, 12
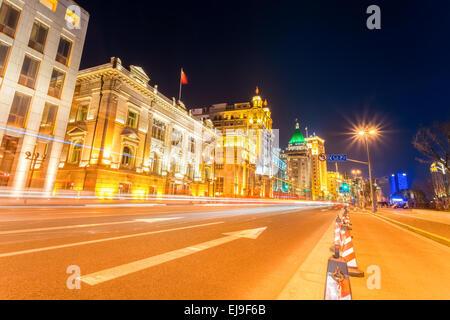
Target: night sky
313, 60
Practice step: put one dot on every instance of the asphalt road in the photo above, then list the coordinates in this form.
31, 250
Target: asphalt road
234, 251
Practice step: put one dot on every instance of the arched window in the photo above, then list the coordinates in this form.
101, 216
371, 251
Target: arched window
127, 156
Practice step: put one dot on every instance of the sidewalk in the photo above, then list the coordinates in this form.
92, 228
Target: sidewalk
428, 215
412, 266
432, 224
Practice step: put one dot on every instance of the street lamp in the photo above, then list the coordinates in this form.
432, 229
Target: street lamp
367, 134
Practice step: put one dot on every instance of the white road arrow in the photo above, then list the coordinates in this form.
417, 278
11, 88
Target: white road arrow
123, 270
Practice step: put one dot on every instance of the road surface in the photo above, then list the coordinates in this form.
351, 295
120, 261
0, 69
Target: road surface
208, 251
179, 252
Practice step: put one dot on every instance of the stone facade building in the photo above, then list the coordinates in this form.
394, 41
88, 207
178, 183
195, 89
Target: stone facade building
243, 155
298, 158
124, 137
41, 43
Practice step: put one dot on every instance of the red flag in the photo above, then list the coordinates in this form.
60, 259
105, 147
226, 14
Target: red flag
184, 79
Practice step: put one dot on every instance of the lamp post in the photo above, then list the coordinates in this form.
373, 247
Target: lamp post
365, 134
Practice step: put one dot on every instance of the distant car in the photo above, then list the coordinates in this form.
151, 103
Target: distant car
400, 205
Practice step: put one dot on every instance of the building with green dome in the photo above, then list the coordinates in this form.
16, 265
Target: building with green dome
298, 158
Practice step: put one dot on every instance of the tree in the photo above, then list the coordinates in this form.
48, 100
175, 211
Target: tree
434, 143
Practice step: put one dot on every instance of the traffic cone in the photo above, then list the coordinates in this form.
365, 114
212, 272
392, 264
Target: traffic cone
337, 234
348, 253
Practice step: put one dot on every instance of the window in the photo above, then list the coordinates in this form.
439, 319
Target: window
127, 157
48, 121
9, 18
38, 36
133, 119
190, 171
158, 130
72, 18
29, 72
8, 153
219, 185
51, 4
4, 53
155, 164
177, 137
56, 83
64, 49
82, 113
192, 145
75, 153
19, 110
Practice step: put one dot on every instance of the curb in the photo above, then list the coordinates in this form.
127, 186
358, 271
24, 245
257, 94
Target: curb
426, 234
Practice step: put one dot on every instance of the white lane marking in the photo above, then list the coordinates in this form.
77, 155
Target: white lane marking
309, 281
85, 206
229, 205
123, 270
86, 225
16, 253
152, 220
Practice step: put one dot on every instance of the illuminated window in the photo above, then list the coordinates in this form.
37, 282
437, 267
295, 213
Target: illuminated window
48, 121
75, 152
38, 37
56, 83
72, 18
82, 113
64, 50
29, 72
127, 157
19, 110
4, 53
158, 130
192, 145
133, 119
155, 164
9, 18
177, 137
51, 4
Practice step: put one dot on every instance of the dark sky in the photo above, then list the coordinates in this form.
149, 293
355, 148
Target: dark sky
313, 60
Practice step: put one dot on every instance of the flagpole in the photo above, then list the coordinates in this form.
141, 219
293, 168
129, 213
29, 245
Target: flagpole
181, 85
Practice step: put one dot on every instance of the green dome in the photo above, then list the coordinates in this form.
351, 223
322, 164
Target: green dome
297, 138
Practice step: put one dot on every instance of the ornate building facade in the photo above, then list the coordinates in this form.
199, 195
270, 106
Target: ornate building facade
124, 137
243, 155
41, 43
298, 158
318, 168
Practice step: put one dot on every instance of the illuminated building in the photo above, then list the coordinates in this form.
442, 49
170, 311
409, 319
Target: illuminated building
318, 168
398, 182
440, 180
334, 181
298, 158
280, 185
243, 159
127, 138
41, 43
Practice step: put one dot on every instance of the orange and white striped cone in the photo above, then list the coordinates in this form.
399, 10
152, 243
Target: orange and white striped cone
337, 235
348, 253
